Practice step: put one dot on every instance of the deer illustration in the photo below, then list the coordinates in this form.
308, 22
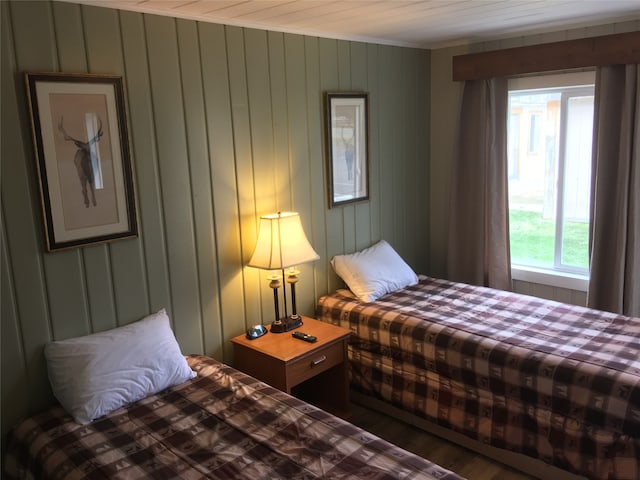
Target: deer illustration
83, 163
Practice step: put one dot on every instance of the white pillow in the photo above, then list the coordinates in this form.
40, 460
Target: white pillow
96, 374
374, 271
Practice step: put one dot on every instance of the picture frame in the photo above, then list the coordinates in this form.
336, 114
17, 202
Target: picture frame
81, 143
347, 137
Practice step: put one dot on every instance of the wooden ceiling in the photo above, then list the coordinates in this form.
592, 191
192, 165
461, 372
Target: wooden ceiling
414, 23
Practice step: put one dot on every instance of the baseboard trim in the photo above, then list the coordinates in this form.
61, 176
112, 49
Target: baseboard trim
523, 463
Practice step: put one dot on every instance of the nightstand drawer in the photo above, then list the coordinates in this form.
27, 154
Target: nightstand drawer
316, 362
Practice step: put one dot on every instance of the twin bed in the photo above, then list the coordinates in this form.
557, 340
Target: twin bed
222, 424
118, 419
555, 382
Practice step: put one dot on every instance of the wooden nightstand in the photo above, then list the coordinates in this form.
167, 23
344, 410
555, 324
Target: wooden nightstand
316, 372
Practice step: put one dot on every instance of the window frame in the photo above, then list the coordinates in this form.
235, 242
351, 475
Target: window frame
559, 275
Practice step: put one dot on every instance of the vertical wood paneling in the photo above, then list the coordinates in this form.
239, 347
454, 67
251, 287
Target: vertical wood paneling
264, 150
67, 299
99, 288
20, 208
199, 173
266, 92
244, 164
385, 141
225, 193
169, 119
329, 82
144, 163
422, 129
402, 170
375, 179
316, 160
360, 82
344, 84
416, 173
13, 365
417, 137
299, 148
34, 21
72, 55
102, 40
125, 268
63, 298
279, 199
225, 124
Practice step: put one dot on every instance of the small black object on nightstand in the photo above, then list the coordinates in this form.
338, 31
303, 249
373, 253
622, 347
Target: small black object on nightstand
304, 336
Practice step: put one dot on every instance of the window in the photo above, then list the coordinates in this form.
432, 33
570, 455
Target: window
549, 160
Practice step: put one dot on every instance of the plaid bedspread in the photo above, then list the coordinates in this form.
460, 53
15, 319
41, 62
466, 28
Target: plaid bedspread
223, 424
557, 382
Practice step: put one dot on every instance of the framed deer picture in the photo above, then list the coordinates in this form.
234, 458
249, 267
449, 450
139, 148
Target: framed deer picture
82, 149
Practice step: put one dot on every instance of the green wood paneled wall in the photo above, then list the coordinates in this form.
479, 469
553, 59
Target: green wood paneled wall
226, 124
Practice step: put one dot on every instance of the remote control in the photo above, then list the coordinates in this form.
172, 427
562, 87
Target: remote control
304, 336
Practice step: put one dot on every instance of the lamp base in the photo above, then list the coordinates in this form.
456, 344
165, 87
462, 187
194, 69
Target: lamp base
286, 324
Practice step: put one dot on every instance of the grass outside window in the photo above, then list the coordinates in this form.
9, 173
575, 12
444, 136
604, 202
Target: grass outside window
533, 237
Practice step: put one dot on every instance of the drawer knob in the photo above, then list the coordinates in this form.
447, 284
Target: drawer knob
318, 361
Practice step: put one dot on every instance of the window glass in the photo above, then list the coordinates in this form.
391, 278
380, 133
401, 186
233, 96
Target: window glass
549, 162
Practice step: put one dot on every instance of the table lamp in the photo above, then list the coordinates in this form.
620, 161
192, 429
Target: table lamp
282, 245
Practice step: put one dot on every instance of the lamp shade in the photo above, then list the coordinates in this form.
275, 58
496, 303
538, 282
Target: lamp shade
281, 242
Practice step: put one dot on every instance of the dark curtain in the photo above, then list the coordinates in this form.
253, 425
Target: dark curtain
478, 247
615, 196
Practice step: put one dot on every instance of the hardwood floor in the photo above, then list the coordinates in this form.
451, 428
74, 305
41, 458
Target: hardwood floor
462, 461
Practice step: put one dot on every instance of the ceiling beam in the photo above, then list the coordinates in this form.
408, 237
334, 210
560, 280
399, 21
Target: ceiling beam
619, 48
